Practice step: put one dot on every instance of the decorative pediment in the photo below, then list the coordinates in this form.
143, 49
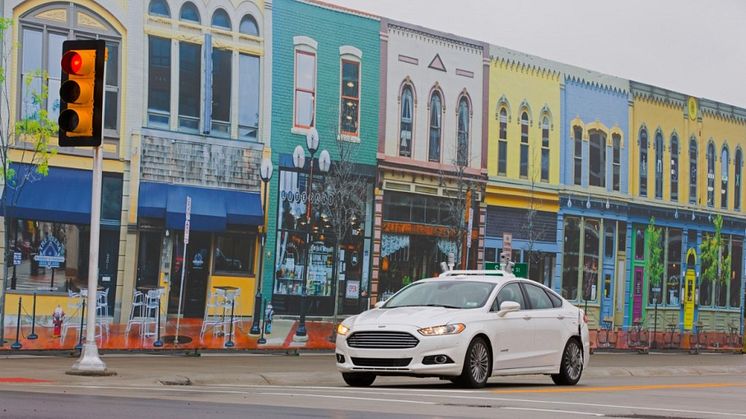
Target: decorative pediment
437, 63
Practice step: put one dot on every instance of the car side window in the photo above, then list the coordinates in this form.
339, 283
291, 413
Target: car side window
556, 301
537, 297
509, 292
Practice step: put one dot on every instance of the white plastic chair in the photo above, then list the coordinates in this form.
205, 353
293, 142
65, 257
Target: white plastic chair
213, 313
152, 312
136, 314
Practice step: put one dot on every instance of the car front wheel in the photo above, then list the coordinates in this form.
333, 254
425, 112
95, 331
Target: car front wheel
477, 365
358, 379
571, 366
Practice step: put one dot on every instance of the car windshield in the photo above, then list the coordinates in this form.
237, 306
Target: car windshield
449, 294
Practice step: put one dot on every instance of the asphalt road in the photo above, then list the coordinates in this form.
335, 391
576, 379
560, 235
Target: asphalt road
715, 396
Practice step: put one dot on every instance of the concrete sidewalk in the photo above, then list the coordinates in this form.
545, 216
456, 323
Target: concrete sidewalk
313, 368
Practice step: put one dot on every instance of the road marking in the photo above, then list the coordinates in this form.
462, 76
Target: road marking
618, 388
574, 412
349, 398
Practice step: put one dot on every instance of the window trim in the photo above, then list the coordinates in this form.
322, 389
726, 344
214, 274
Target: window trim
643, 167
502, 140
346, 57
463, 98
524, 124
296, 89
674, 167
545, 126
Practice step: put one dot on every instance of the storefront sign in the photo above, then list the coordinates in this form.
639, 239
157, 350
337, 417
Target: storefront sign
421, 230
353, 289
51, 253
689, 293
301, 197
17, 258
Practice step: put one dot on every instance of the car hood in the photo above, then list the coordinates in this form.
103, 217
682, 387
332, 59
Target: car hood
406, 316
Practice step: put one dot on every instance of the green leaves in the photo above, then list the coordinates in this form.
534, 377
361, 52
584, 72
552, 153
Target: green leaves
715, 267
654, 260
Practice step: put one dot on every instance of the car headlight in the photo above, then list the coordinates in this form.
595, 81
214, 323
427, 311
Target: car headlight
342, 329
446, 329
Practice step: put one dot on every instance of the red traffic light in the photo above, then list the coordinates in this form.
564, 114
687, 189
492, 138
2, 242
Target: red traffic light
72, 62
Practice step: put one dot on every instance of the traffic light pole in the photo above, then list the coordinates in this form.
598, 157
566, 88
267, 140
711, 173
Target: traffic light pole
90, 362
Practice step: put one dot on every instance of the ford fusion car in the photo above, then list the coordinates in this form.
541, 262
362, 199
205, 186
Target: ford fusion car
466, 326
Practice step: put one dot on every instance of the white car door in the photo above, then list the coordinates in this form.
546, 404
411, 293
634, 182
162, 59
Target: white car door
548, 325
512, 334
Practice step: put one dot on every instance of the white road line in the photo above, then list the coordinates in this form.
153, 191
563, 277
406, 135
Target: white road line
344, 388
573, 412
349, 398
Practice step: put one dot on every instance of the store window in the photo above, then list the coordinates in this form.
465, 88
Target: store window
737, 181
502, 143
597, 161
591, 249
693, 170
571, 258
436, 115
639, 243
524, 145
541, 266
643, 162
724, 167
405, 122
414, 208
673, 267
234, 254
616, 167
710, 174
674, 168
545, 149
721, 287
189, 12
350, 100
578, 159
659, 165
464, 123
736, 272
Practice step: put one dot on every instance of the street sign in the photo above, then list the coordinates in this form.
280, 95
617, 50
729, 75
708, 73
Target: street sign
508, 245
17, 258
468, 230
187, 223
186, 232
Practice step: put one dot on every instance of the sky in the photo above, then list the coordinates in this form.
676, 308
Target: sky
695, 47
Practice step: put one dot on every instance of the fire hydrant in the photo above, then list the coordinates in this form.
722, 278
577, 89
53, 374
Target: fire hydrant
57, 318
268, 313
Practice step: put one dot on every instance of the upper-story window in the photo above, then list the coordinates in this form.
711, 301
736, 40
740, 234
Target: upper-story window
41, 37
724, 163
597, 158
674, 168
524, 145
502, 143
221, 91
737, 183
659, 165
436, 116
159, 8
248, 26
189, 12
220, 19
643, 162
305, 85
616, 162
248, 85
159, 80
350, 98
406, 121
693, 170
710, 174
462, 151
545, 149
577, 133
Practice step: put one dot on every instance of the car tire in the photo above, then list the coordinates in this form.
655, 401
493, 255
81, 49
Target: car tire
358, 379
571, 365
477, 365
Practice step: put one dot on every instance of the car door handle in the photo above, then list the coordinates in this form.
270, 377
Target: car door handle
560, 317
526, 317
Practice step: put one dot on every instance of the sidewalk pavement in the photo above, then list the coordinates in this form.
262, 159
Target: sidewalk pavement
312, 368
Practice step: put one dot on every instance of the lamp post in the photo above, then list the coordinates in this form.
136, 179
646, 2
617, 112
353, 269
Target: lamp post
265, 172
299, 160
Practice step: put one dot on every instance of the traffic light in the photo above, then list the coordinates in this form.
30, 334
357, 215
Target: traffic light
82, 93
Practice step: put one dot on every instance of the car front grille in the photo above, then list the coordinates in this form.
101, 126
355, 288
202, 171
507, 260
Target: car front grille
381, 362
382, 340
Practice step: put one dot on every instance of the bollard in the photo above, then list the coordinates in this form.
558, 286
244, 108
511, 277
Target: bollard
17, 345
33, 334
158, 342
262, 340
79, 346
230, 343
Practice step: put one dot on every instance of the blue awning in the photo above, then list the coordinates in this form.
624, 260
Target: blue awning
63, 196
212, 209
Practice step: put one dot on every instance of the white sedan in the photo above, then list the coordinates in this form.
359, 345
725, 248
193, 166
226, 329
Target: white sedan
466, 326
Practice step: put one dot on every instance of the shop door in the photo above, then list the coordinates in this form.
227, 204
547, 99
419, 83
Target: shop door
108, 255
148, 259
637, 288
195, 280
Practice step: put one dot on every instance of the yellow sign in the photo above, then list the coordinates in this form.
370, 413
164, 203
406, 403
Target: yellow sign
692, 106
689, 293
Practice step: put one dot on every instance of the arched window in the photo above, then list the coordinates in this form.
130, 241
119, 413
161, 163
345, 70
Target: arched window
597, 160
159, 8
524, 144
248, 26
658, 165
643, 162
545, 149
221, 20
189, 12
616, 166
405, 123
462, 152
737, 184
577, 133
710, 174
724, 162
502, 143
674, 168
436, 113
693, 170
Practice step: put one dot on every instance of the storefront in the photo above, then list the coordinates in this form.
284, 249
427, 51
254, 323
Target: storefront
334, 266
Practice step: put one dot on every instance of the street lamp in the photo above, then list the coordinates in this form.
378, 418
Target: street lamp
299, 160
265, 173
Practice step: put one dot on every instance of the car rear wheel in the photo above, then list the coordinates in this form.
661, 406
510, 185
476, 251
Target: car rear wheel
477, 364
571, 366
358, 379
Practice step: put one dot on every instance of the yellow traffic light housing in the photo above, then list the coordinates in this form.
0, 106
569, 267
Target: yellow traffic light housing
82, 93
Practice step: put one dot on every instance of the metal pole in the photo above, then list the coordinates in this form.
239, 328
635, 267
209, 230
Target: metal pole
33, 334
255, 326
230, 343
181, 293
17, 345
301, 334
158, 342
262, 340
79, 346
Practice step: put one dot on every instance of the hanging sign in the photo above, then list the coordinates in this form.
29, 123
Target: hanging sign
17, 258
51, 253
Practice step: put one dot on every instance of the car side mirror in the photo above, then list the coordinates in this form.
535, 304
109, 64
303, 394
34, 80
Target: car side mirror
379, 304
507, 307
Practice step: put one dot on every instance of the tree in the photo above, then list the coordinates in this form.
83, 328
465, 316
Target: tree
716, 269
654, 258
534, 232
26, 138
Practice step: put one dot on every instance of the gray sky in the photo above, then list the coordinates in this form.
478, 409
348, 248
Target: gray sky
696, 47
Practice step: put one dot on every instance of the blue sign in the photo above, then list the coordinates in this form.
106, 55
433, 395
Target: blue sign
17, 258
51, 253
